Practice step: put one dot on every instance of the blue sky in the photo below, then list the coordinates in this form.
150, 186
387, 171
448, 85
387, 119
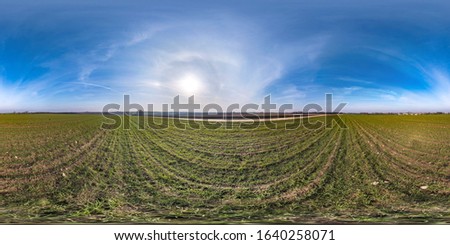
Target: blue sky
80, 55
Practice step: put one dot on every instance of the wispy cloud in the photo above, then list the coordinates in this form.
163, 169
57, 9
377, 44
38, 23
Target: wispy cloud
83, 55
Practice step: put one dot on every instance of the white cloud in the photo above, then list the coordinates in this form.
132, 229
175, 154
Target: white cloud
19, 98
440, 86
435, 98
237, 71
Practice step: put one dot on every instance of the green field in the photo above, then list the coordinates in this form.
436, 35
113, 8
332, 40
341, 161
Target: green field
383, 168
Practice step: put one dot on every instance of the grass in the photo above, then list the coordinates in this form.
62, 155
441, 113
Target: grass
381, 169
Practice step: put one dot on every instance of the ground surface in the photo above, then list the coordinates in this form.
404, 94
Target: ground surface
382, 169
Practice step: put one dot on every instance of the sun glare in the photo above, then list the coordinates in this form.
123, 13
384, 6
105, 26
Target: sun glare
189, 84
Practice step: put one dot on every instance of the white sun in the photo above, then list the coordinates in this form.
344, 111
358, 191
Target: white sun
189, 84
